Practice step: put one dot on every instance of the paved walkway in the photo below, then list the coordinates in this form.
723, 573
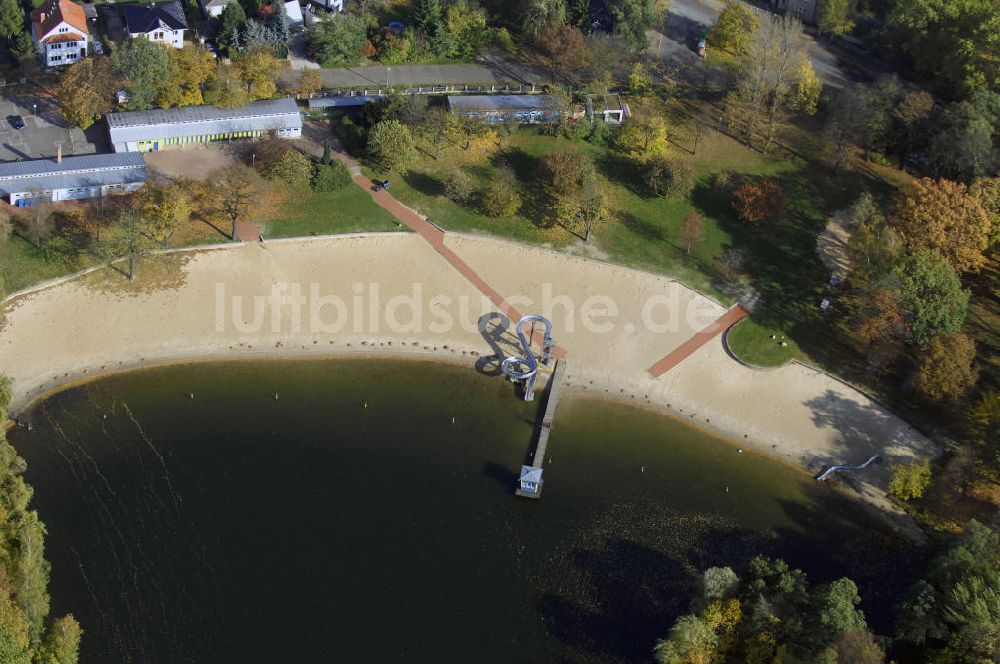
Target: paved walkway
688, 348
248, 231
378, 76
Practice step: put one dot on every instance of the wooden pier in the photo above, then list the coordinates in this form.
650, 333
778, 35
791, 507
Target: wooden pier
529, 484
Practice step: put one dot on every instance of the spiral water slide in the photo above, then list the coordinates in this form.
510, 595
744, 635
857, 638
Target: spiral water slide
525, 369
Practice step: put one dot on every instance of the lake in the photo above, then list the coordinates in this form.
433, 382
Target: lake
367, 514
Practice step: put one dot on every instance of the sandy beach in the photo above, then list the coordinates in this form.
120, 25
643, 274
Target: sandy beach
393, 293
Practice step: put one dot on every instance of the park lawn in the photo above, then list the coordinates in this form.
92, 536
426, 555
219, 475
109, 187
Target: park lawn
755, 341
22, 264
350, 210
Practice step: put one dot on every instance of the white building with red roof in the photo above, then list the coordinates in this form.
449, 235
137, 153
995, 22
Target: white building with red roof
59, 30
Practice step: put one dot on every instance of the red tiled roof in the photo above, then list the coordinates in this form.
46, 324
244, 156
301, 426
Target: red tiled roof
54, 12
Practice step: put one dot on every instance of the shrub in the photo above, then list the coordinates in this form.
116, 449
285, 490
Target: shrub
500, 198
670, 178
332, 177
758, 202
458, 186
910, 481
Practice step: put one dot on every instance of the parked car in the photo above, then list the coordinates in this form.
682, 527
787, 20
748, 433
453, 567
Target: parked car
16, 121
98, 47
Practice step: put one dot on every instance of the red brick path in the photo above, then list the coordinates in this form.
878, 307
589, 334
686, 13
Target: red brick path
686, 349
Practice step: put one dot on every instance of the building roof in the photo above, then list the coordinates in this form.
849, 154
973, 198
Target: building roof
200, 120
480, 103
293, 10
53, 12
205, 4
140, 19
345, 101
87, 170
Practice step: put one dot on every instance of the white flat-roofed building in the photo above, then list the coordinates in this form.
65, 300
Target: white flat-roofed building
193, 126
24, 183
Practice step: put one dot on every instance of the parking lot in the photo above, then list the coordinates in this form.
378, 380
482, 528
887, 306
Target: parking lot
43, 127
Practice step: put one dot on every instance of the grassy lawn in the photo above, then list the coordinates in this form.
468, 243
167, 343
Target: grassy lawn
767, 352
22, 264
348, 211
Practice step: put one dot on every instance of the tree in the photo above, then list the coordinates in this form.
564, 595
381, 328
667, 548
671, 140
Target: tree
61, 644
145, 65
164, 207
963, 147
131, 237
441, 129
804, 95
642, 138
759, 201
277, 23
855, 647
15, 647
912, 115
466, 23
190, 67
734, 28
847, 123
338, 40
879, 315
458, 186
225, 88
638, 79
910, 481
390, 143
692, 231
86, 90
310, 82
36, 223
691, 640
536, 13
836, 608
942, 216
500, 198
252, 7
429, 17
836, 17
947, 367
632, 18
6, 394
258, 70
931, 294
874, 246
230, 23
11, 19
236, 189
952, 39
987, 192
953, 611
668, 177
294, 169
565, 45
332, 177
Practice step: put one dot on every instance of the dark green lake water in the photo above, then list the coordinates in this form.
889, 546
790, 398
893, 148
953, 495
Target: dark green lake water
233, 527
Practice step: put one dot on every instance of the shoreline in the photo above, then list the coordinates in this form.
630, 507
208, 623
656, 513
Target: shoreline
95, 324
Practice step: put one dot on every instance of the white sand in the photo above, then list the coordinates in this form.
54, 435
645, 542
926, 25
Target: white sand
97, 323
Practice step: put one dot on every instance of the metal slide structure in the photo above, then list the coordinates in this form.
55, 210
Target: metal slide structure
524, 369
833, 469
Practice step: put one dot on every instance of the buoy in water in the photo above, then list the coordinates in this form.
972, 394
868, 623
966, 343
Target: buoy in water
275, 396
452, 419
190, 395
642, 469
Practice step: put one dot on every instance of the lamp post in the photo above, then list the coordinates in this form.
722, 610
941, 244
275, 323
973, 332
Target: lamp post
34, 108
388, 70
253, 160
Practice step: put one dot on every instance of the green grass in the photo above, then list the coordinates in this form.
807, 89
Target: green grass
347, 211
22, 264
758, 348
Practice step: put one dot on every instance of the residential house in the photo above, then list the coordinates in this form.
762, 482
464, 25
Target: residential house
331, 5
293, 10
213, 8
194, 126
25, 183
806, 10
59, 30
163, 22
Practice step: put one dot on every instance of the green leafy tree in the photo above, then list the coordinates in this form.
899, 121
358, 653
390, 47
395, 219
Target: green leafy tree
691, 639
15, 647
958, 40
804, 94
947, 368
536, 13
500, 198
734, 28
638, 79
429, 17
144, 65
963, 147
954, 610
910, 481
61, 644
230, 22
235, 191
258, 69
225, 88
931, 294
11, 19
338, 40
632, 18
643, 138
131, 237
458, 186
669, 177
294, 169
836, 17
332, 177
987, 192
836, 610
390, 143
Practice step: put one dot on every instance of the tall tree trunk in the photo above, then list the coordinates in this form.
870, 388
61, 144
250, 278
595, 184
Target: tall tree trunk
233, 234
131, 267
